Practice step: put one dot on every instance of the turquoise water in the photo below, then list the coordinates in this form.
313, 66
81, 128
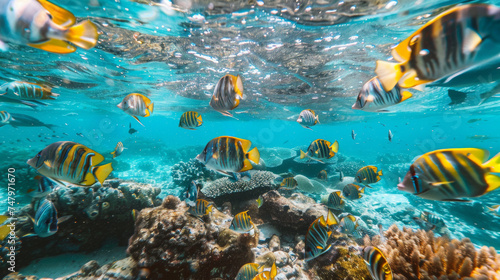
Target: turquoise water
317, 57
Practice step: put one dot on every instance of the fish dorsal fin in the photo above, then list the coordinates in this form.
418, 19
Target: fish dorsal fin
352, 218
405, 95
331, 219
322, 221
479, 154
245, 144
97, 158
59, 15
339, 193
471, 41
312, 112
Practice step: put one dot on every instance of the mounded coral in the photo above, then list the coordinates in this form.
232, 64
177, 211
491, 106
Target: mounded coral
420, 255
172, 244
223, 189
185, 172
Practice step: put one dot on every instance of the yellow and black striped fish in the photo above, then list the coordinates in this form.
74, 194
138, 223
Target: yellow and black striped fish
368, 175
377, 264
335, 201
44, 25
247, 271
242, 223
136, 104
118, 150
452, 174
455, 40
323, 175
268, 274
320, 149
353, 191
227, 94
289, 183
308, 118
373, 97
71, 162
25, 90
5, 118
201, 208
227, 155
190, 120
318, 234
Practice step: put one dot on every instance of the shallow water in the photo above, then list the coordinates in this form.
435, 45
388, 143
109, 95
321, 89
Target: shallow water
291, 55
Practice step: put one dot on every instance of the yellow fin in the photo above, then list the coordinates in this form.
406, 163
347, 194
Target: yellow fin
302, 154
352, 218
3, 218
89, 179
246, 166
402, 52
479, 154
210, 208
435, 184
47, 163
113, 153
331, 219
238, 87
380, 172
405, 95
319, 247
419, 88
335, 147
274, 271
84, 34
151, 108
471, 41
388, 73
54, 46
102, 172
59, 15
317, 119
410, 79
245, 144
254, 155
4, 232
493, 164
200, 120
137, 119
493, 182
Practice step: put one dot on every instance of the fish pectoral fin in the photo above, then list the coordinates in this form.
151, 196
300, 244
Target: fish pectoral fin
388, 73
405, 95
410, 79
59, 15
137, 119
471, 42
54, 46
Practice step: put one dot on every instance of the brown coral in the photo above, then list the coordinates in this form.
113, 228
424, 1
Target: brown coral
419, 254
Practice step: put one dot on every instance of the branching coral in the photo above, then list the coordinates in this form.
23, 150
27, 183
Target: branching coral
420, 255
185, 172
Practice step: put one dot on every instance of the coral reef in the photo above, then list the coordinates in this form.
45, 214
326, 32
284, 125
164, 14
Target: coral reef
174, 245
185, 172
225, 190
421, 255
349, 165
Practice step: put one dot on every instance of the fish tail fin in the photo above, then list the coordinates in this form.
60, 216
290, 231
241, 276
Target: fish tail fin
335, 147
102, 172
113, 153
83, 34
302, 154
273, 271
380, 173
491, 209
493, 165
405, 95
151, 108
210, 208
200, 120
317, 119
254, 155
331, 219
388, 73
493, 182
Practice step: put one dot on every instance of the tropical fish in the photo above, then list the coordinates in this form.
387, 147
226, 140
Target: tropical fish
341, 176
390, 138
323, 175
43, 25
227, 94
192, 193
320, 149
289, 183
25, 120
80, 134
260, 201
377, 264
71, 162
5, 118
308, 118
118, 150
247, 271
131, 130
335, 201
348, 224
134, 215
435, 221
25, 90
31, 103
136, 104
462, 37
452, 174
242, 223
227, 155
495, 209
353, 191
45, 186
318, 234
201, 209
353, 135
268, 274
373, 97
46, 221
368, 175
190, 120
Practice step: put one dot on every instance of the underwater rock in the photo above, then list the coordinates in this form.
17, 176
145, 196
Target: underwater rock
172, 244
225, 190
274, 243
89, 209
311, 186
284, 213
183, 173
267, 231
420, 255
